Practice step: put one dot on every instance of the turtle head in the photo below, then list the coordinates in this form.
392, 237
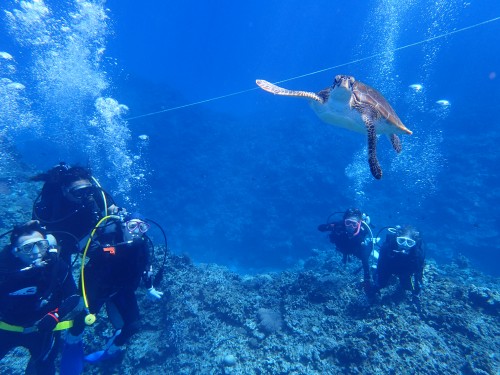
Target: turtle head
343, 81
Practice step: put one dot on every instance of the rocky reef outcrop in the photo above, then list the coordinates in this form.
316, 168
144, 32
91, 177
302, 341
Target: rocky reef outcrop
314, 319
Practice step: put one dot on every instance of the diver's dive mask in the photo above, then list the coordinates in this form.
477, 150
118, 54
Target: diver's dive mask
352, 227
81, 192
32, 251
404, 245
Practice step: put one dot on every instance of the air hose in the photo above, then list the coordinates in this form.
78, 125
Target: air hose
90, 318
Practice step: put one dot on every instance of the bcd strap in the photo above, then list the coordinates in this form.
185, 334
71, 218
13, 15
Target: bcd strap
67, 324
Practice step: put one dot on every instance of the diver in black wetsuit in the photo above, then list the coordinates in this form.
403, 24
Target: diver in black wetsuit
401, 255
70, 205
37, 292
350, 237
119, 259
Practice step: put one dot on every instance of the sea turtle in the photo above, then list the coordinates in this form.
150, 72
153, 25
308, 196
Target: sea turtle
355, 106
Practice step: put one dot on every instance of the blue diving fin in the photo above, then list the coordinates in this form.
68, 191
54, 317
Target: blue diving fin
110, 351
95, 356
103, 355
72, 359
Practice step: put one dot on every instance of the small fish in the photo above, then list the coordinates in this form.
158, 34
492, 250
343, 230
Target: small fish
443, 102
143, 137
417, 87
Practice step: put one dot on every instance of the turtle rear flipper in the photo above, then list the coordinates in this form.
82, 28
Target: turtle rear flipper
273, 89
396, 143
372, 147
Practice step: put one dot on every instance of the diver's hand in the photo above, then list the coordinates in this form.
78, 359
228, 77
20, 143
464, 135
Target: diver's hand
325, 227
154, 294
115, 210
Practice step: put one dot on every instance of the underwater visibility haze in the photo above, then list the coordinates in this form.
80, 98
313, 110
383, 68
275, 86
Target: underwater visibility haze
244, 180
159, 99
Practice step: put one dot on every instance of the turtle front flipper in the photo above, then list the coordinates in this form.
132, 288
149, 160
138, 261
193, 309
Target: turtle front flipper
273, 89
396, 143
372, 147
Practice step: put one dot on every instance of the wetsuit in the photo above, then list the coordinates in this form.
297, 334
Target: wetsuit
355, 245
26, 296
408, 267
69, 221
112, 276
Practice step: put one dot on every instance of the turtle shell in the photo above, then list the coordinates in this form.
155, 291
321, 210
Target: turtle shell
366, 95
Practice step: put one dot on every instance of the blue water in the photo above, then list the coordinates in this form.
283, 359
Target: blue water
245, 180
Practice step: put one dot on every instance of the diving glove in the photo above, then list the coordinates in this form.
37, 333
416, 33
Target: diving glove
154, 294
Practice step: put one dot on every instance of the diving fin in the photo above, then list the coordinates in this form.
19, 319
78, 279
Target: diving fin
102, 355
110, 351
95, 356
72, 359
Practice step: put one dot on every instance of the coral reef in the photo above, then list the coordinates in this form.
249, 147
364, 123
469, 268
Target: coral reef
269, 320
17, 194
313, 319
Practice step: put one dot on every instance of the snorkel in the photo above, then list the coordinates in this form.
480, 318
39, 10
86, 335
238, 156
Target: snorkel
358, 228
352, 222
357, 216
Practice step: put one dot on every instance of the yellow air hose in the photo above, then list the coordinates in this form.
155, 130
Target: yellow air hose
90, 318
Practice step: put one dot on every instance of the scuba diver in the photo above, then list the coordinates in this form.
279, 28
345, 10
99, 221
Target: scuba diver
70, 204
119, 257
37, 292
401, 255
352, 236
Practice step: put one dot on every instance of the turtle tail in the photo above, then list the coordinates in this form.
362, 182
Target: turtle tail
396, 143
